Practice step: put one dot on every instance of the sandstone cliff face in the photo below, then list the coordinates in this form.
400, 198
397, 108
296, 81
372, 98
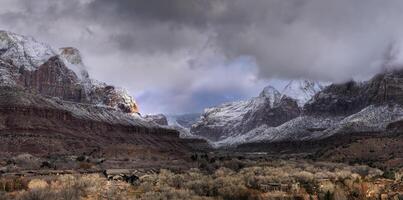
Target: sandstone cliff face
53, 79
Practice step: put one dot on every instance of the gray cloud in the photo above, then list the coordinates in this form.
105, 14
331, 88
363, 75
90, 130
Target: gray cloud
327, 40
177, 51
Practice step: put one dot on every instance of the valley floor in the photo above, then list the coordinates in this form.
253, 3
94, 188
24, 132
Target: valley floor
219, 175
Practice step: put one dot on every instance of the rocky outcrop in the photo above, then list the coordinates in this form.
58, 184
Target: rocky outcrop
159, 119
111, 96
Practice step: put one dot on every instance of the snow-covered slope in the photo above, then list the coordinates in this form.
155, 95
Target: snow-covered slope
302, 90
299, 128
371, 119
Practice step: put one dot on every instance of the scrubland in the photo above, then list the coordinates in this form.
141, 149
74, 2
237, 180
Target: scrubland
221, 180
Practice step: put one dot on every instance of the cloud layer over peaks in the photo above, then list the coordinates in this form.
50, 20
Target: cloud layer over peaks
181, 55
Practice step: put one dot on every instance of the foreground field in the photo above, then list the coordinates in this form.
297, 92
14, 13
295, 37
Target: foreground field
221, 179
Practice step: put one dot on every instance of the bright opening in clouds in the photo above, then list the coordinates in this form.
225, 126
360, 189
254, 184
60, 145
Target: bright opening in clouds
178, 56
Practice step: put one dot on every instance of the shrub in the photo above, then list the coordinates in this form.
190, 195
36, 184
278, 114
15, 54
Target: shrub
169, 194
202, 187
3, 195
85, 165
389, 175
81, 158
13, 184
40, 194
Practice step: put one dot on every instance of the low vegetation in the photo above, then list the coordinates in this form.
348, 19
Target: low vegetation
277, 179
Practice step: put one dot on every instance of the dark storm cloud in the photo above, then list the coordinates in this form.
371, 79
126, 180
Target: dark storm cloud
329, 40
191, 47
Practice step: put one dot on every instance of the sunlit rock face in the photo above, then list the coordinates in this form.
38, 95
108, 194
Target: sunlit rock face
36, 67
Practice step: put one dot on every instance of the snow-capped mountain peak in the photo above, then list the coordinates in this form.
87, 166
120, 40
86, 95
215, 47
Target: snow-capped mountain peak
301, 90
22, 51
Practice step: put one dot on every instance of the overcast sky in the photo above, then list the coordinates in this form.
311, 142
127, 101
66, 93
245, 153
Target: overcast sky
178, 56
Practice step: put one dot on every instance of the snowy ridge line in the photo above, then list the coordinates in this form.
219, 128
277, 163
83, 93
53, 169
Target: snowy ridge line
370, 119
